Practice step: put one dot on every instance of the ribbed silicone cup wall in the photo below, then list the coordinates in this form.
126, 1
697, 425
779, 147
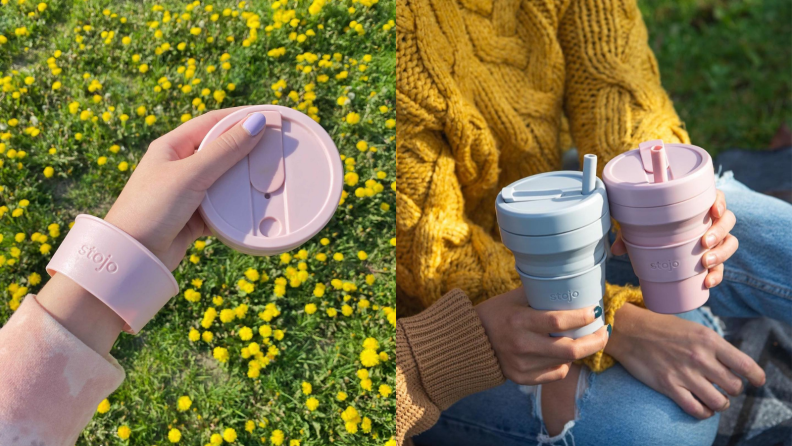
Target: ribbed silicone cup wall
563, 271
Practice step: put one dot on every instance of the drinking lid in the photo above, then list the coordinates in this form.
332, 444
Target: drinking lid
281, 194
553, 202
658, 174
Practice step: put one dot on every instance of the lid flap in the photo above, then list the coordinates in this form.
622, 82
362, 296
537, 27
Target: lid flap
510, 195
646, 152
266, 159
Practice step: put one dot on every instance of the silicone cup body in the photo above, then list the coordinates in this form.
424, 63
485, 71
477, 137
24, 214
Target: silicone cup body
671, 276
669, 271
560, 254
664, 241
559, 243
568, 293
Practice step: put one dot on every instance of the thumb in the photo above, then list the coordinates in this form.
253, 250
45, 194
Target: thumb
224, 152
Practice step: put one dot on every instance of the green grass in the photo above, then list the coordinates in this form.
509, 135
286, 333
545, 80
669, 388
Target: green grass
162, 363
727, 65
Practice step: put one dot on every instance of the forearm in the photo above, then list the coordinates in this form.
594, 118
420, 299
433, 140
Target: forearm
51, 381
81, 313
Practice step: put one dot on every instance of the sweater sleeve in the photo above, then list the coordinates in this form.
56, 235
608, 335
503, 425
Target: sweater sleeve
50, 382
614, 99
442, 355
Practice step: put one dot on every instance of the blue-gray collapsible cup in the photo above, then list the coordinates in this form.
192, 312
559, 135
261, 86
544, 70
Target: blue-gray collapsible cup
556, 225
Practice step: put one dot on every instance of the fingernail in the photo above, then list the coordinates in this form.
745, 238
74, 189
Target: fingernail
254, 124
710, 260
610, 330
720, 209
597, 311
710, 240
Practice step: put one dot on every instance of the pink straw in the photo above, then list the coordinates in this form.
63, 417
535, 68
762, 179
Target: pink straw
659, 164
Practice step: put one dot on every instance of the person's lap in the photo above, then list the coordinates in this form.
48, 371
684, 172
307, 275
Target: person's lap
616, 408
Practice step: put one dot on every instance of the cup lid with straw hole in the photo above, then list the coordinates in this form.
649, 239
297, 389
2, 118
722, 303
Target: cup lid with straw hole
553, 202
658, 174
280, 195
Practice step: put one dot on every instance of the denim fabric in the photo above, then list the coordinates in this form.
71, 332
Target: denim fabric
615, 408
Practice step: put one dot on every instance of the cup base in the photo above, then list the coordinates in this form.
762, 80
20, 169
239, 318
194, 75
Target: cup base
675, 297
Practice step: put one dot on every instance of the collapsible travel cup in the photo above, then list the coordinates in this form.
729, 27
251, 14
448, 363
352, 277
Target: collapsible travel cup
281, 194
661, 195
555, 223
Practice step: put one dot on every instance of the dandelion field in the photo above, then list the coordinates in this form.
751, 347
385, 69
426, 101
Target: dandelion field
290, 350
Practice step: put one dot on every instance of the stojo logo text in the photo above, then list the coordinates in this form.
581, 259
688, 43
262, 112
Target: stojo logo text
666, 265
104, 262
566, 296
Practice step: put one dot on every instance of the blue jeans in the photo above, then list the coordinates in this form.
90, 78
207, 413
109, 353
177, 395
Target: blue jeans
613, 407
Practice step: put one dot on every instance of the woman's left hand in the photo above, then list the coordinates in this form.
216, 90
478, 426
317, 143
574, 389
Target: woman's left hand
722, 245
681, 359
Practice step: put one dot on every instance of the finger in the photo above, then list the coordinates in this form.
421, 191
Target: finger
714, 277
568, 349
545, 322
228, 149
618, 248
719, 207
724, 378
185, 139
722, 252
741, 364
707, 393
720, 228
689, 403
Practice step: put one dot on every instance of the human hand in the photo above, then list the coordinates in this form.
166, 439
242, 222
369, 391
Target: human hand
520, 337
681, 359
158, 206
721, 243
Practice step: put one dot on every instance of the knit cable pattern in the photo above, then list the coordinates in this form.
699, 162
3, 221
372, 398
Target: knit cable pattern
482, 88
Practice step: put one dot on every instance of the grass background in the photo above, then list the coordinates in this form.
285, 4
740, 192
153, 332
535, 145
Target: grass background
727, 65
161, 363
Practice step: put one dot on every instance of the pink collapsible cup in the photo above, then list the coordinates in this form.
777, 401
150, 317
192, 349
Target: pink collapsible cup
661, 195
281, 194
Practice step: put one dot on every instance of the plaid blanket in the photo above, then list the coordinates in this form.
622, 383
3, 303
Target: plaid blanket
761, 416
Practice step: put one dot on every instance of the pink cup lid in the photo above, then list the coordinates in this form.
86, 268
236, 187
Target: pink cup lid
658, 174
280, 195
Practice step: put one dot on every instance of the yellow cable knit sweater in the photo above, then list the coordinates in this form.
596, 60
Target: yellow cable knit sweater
484, 89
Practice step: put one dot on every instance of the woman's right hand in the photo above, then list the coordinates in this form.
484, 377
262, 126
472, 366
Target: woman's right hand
519, 335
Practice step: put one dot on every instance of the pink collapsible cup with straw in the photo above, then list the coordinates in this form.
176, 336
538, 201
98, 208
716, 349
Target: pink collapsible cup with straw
661, 195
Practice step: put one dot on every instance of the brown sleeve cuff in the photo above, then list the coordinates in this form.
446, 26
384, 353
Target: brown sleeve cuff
451, 350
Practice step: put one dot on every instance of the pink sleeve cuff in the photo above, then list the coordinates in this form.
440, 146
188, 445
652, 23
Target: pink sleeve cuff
50, 382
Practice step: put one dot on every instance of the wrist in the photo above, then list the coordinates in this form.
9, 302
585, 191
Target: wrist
619, 342
80, 312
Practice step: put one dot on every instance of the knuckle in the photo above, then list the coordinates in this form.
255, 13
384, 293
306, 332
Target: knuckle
555, 322
744, 365
573, 352
733, 387
665, 382
523, 345
698, 357
513, 320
